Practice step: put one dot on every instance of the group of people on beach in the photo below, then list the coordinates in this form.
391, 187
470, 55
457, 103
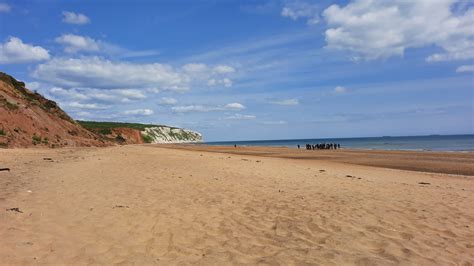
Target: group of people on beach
322, 146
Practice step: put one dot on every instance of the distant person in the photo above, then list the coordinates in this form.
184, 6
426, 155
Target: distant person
298, 146
235, 145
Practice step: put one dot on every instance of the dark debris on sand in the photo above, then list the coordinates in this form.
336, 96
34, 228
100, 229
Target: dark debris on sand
120, 206
14, 210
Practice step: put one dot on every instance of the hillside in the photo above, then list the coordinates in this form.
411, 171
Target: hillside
27, 119
135, 133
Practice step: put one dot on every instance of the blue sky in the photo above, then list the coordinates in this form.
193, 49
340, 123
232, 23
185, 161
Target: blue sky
241, 70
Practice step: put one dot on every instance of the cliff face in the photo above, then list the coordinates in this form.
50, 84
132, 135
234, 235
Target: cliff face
28, 119
163, 134
135, 133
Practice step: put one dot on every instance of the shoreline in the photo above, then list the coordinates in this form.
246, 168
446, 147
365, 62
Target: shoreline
456, 163
441, 143
351, 149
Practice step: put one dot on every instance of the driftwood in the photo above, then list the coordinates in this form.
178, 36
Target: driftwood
5, 169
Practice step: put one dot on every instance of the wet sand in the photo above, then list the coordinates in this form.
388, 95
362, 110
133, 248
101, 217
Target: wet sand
460, 163
171, 205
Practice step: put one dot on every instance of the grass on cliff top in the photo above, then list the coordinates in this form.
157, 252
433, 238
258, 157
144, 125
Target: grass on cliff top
108, 125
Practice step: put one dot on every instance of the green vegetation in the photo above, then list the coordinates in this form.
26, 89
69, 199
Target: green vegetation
105, 131
36, 139
147, 138
2, 132
120, 139
182, 135
50, 105
110, 125
11, 106
8, 105
45, 141
9, 79
64, 116
3, 145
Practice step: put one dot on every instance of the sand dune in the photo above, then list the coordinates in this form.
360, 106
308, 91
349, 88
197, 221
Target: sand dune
148, 204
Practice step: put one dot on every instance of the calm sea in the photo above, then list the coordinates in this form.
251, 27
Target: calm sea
421, 143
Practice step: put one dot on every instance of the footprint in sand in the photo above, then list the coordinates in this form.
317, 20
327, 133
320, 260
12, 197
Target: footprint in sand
406, 236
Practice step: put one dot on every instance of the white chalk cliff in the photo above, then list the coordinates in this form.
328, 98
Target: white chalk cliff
163, 134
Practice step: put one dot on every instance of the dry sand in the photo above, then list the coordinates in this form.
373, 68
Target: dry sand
150, 204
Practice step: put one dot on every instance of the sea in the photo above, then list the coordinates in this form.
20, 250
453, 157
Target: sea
413, 143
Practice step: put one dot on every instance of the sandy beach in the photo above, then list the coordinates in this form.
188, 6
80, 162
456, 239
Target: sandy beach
168, 204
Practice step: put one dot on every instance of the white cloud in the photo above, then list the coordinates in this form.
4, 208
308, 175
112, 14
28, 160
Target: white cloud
69, 94
240, 117
101, 95
96, 72
83, 114
199, 68
100, 73
224, 69
167, 101
287, 102
192, 108
90, 106
340, 90
213, 75
195, 68
131, 94
74, 43
381, 29
75, 18
301, 9
212, 82
226, 82
15, 51
271, 123
202, 108
143, 112
465, 68
235, 106
112, 96
5, 8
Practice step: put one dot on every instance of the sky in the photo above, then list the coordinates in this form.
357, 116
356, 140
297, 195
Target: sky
250, 70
